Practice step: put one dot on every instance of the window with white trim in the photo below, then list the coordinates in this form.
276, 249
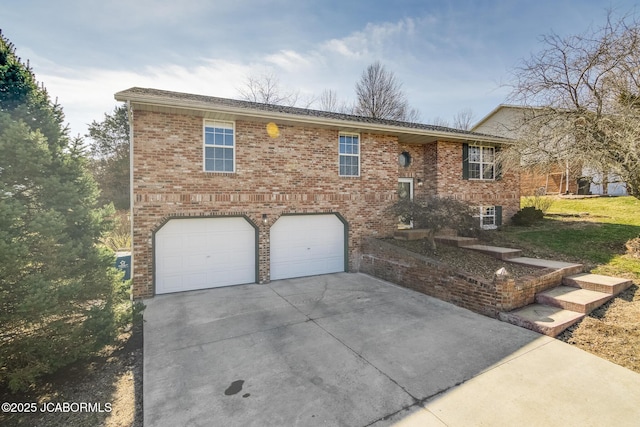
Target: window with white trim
489, 217
481, 162
349, 154
219, 146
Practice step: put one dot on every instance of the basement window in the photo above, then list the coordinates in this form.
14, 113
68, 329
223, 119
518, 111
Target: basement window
490, 217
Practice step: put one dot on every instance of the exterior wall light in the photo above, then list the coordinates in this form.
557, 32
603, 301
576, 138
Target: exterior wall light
264, 219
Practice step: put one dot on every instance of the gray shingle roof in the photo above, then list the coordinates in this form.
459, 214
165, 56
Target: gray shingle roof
295, 111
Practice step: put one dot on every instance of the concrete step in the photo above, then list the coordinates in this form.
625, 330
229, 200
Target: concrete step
574, 299
456, 240
411, 234
496, 251
544, 263
547, 320
596, 282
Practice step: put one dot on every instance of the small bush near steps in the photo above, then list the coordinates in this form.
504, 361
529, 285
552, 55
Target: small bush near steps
527, 216
633, 247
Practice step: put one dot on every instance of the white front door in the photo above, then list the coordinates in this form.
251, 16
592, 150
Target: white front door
405, 191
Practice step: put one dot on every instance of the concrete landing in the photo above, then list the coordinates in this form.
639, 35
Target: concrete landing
543, 263
574, 299
597, 282
411, 234
496, 251
456, 240
544, 319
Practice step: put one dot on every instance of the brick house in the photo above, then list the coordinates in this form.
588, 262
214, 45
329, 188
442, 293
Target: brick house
228, 192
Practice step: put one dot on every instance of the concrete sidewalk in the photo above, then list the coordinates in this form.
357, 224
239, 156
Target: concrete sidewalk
351, 350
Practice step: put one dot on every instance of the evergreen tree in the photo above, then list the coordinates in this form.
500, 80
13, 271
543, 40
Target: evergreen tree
58, 289
110, 157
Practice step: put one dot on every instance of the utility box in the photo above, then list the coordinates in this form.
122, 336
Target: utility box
123, 262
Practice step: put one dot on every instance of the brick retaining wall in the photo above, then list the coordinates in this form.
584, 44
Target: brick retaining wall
488, 297
414, 271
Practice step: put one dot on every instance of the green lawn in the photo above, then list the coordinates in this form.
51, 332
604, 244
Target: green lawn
592, 231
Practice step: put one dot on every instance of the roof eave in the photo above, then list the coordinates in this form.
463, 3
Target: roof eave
160, 101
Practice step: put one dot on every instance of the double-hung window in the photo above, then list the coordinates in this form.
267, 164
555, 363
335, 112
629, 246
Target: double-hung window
490, 217
487, 216
479, 162
349, 154
219, 147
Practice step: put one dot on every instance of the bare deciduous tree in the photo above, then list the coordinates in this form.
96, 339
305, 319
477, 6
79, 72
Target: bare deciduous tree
328, 100
439, 121
463, 119
380, 95
584, 93
265, 88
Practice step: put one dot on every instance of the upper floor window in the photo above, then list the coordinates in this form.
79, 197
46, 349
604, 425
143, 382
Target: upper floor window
349, 154
219, 147
479, 162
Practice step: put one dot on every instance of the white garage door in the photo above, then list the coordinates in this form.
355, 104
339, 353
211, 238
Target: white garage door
306, 245
200, 253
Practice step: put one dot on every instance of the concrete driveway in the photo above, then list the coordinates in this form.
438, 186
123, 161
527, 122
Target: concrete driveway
351, 350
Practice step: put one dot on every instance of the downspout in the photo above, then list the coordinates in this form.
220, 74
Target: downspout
567, 183
130, 117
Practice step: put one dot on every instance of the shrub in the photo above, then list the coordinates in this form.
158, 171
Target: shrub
119, 237
633, 247
527, 216
435, 214
541, 203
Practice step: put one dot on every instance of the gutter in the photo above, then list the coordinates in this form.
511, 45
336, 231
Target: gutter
304, 119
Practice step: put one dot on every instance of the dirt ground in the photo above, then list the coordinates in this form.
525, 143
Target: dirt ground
611, 331
113, 379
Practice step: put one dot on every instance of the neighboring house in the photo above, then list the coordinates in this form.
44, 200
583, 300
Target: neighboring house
612, 186
229, 192
563, 176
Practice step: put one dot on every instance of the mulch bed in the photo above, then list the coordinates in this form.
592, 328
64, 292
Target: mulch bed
469, 261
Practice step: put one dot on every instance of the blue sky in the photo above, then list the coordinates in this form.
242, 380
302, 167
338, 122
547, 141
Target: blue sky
449, 55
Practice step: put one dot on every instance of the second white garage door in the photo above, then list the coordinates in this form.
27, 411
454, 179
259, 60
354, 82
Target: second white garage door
199, 253
306, 245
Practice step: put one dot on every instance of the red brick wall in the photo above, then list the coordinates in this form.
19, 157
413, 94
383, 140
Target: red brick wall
417, 272
515, 295
444, 166
294, 173
297, 172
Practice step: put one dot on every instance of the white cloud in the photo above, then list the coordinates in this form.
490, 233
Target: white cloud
409, 47
290, 60
86, 94
374, 40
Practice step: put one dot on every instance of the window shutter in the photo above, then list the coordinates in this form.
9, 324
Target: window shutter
498, 215
465, 161
498, 171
